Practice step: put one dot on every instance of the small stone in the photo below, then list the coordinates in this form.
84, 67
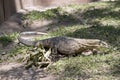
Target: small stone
86, 53
3, 53
31, 71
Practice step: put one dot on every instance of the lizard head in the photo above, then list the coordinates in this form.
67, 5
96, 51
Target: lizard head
103, 44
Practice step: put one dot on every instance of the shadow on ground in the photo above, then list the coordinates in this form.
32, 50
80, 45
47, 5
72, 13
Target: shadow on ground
106, 33
17, 71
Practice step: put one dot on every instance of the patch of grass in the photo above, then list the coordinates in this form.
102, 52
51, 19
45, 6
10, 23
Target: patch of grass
36, 15
16, 54
7, 39
89, 67
57, 13
62, 31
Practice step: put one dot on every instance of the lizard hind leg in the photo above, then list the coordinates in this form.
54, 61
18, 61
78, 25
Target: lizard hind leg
54, 55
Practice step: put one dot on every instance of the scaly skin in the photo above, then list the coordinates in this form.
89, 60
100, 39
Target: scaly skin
66, 45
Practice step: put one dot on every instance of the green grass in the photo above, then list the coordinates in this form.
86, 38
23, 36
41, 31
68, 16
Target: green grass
35, 15
14, 55
7, 39
99, 20
98, 67
56, 13
13, 52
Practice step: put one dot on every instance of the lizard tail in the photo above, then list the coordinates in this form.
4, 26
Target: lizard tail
28, 38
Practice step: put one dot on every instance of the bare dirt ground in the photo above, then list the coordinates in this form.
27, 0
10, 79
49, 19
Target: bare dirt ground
17, 71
